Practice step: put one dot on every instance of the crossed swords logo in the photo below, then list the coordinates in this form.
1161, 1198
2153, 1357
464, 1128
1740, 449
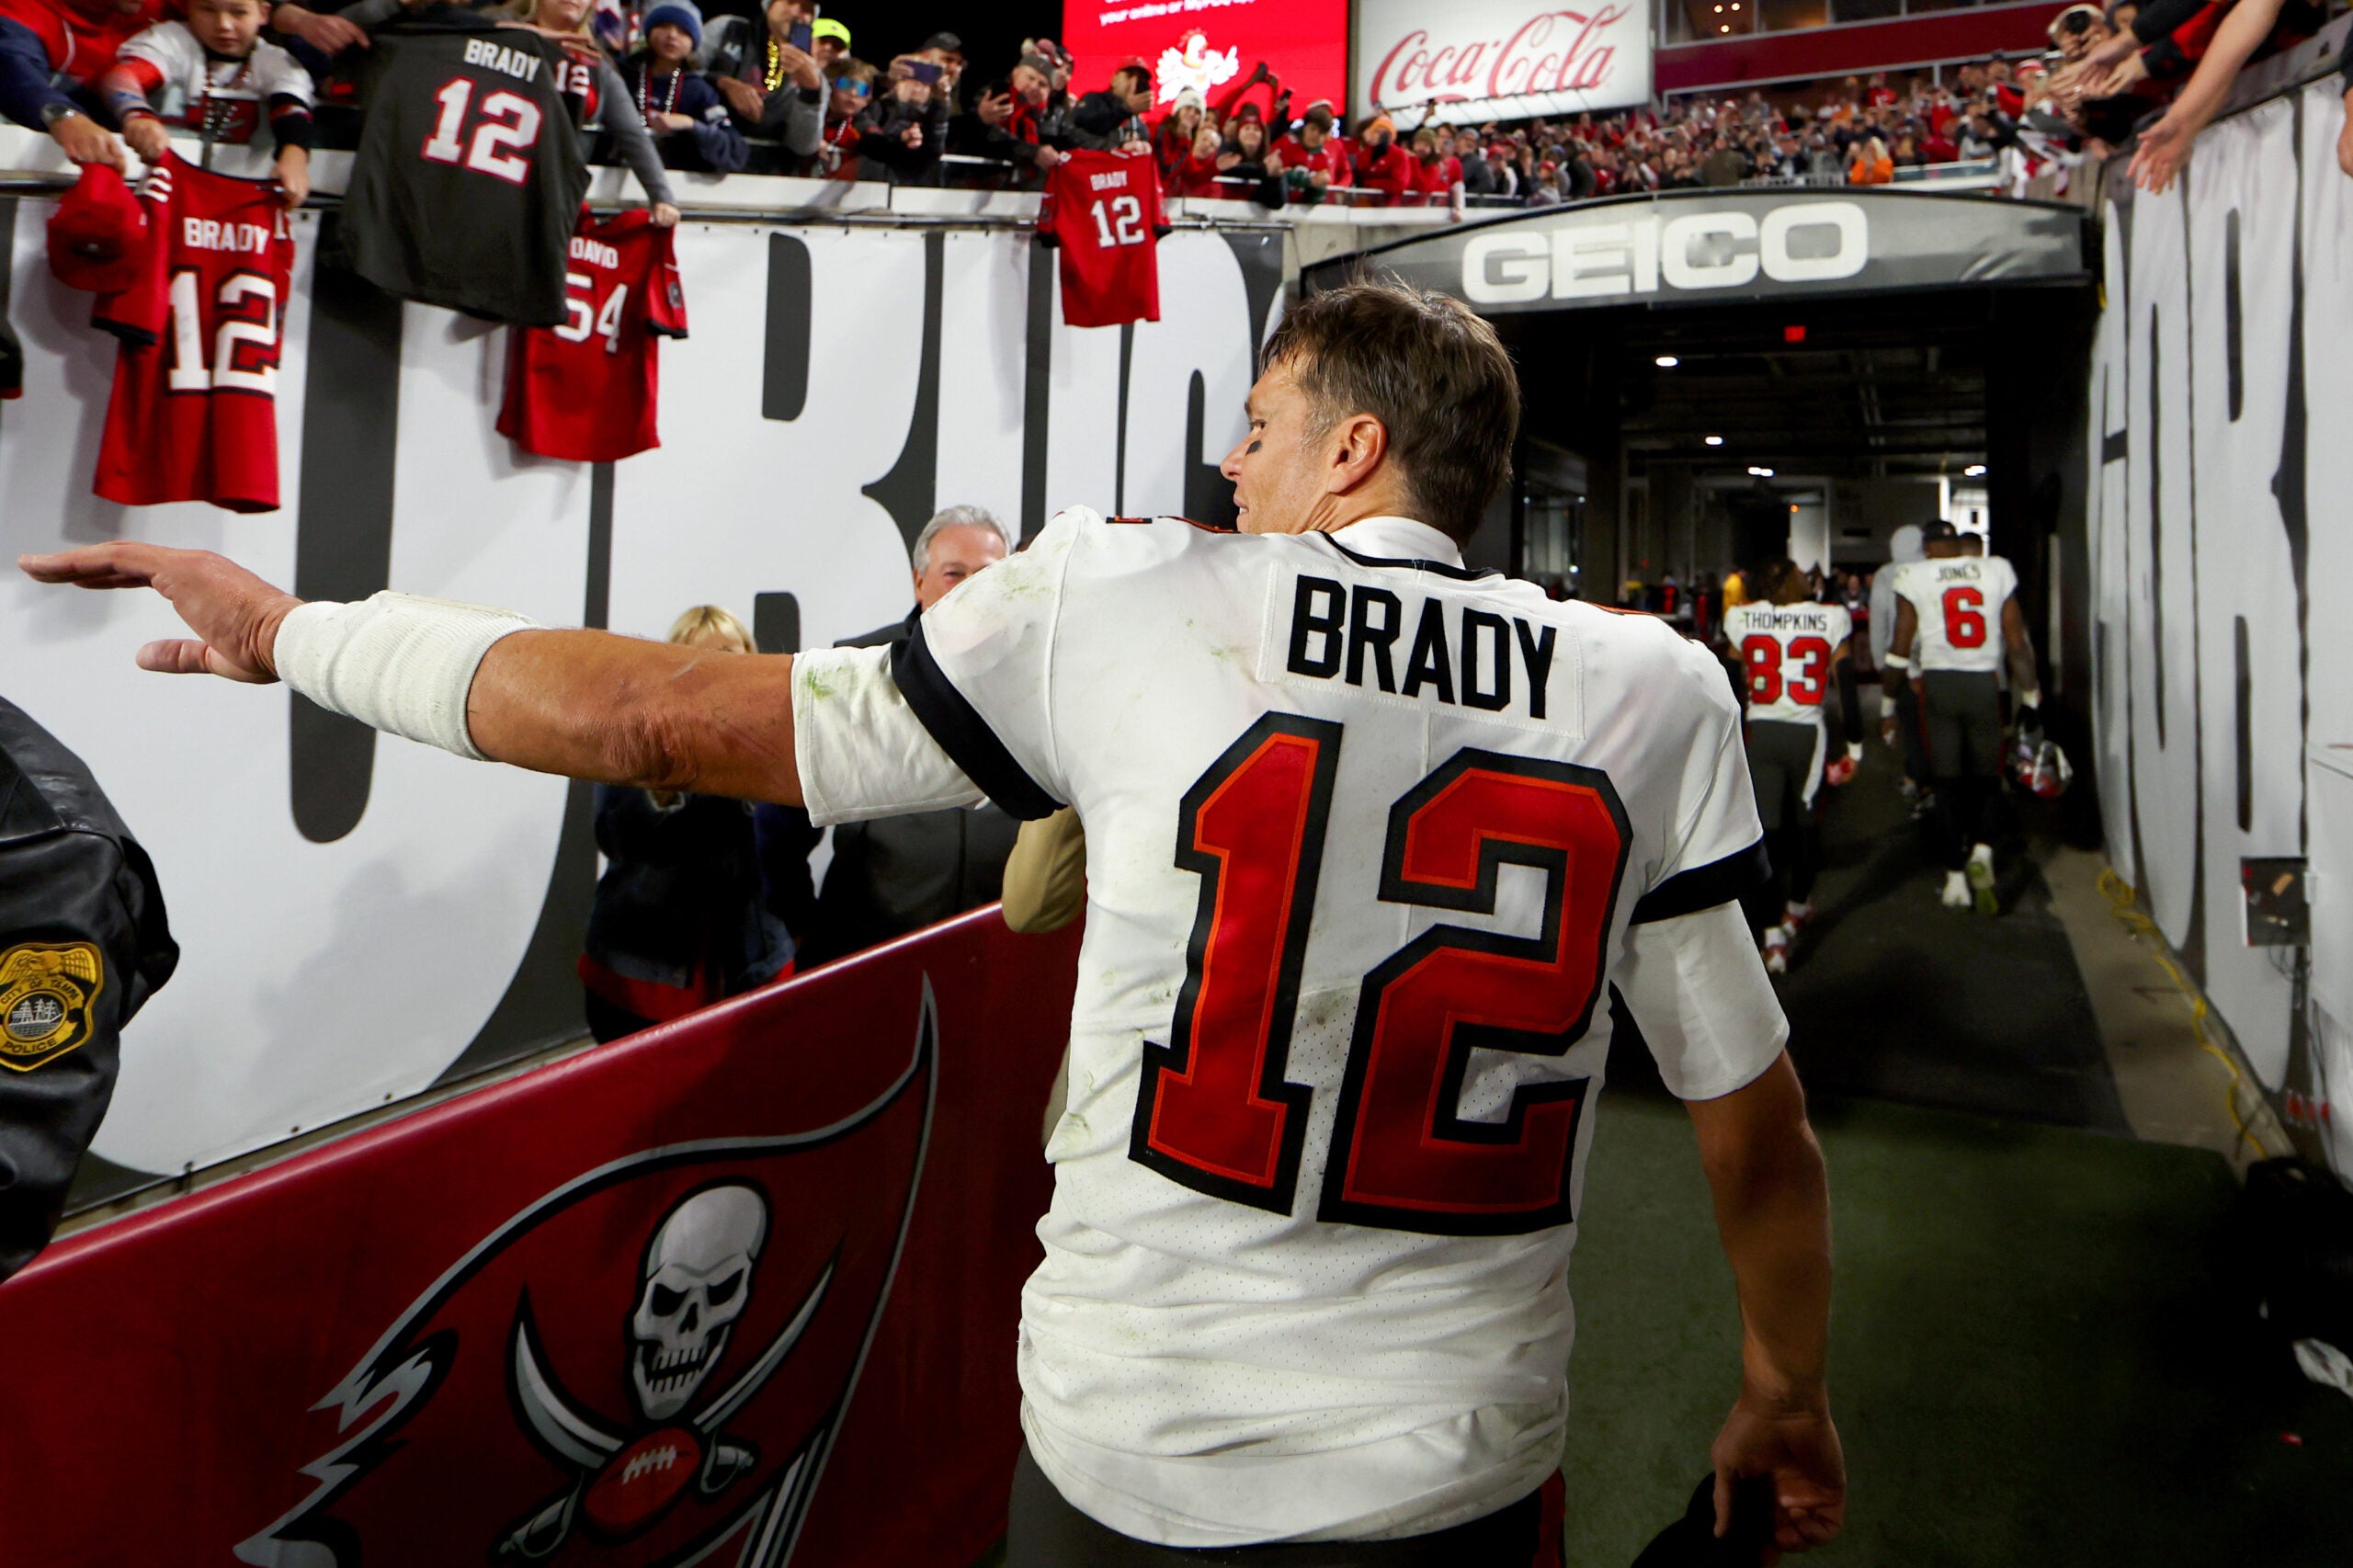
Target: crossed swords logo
696, 1281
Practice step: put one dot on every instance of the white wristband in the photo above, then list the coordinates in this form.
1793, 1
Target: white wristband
1897, 661
2032, 699
394, 661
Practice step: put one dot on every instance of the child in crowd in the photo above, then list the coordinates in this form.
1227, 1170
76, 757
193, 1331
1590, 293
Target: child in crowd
214, 74
683, 113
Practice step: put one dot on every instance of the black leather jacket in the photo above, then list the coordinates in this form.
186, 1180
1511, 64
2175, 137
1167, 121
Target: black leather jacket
83, 945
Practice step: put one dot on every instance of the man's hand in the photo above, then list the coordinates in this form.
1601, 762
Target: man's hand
1797, 1446
800, 66
1049, 156
741, 97
995, 109
234, 614
293, 176
666, 123
327, 34
2163, 148
87, 142
147, 136
2344, 139
663, 214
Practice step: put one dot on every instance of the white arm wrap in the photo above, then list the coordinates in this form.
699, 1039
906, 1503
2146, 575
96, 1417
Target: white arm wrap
394, 661
1896, 662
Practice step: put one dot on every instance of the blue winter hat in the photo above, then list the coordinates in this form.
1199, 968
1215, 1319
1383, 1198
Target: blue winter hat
680, 14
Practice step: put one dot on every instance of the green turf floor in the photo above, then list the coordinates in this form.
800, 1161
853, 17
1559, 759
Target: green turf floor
2036, 1359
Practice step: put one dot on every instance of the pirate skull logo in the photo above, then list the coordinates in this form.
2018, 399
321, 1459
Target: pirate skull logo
697, 1278
695, 1283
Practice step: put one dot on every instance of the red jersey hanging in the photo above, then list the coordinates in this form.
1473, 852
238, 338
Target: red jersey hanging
194, 415
586, 390
1102, 210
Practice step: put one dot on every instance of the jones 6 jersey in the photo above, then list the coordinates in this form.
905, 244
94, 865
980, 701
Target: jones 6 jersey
587, 390
1958, 601
1101, 210
1369, 836
1786, 654
194, 415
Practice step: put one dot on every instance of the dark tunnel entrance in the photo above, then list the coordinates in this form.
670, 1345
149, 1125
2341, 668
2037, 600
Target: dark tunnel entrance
1715, 378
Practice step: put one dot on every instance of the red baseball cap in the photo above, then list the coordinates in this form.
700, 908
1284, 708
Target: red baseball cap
98, 239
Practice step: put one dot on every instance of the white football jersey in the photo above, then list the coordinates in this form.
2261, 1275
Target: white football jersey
197, 82
1369, 837
1788, 654
1958, 601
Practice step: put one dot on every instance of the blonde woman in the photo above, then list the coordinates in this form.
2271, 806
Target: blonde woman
683, 915
598, 97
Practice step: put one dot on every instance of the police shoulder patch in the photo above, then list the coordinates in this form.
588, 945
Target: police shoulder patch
47, 990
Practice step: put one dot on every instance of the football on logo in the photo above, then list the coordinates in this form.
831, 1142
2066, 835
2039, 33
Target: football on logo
638, 1484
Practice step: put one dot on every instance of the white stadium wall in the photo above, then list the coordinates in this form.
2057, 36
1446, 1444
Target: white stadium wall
361, 918
2220, 519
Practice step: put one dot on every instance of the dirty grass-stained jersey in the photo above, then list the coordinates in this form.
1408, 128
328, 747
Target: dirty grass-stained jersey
194, 412
469, 176
1369, 837
1958, 602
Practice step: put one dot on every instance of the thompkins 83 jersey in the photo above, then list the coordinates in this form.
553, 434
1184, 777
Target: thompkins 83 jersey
1787, 652
194, 415
1959, 600
1369, 837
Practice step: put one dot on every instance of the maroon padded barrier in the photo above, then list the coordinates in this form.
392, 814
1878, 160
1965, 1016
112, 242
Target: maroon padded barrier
740, 1290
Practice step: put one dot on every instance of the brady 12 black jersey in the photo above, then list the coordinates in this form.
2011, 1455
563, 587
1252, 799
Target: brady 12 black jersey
469, 176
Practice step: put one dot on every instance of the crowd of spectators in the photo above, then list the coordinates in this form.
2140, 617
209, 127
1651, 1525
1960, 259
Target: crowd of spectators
782, 90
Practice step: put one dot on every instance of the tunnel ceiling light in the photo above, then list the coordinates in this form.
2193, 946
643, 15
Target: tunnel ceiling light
1666, 361
1975, 470
1724, 28
1760, 473
1716, 440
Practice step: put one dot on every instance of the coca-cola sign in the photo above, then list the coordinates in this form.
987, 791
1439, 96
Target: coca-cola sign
1477, 60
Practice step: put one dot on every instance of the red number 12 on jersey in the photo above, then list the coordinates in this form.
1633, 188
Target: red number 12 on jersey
1214, 1111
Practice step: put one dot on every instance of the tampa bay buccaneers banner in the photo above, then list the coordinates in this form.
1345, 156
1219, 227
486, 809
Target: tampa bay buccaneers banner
737, 1291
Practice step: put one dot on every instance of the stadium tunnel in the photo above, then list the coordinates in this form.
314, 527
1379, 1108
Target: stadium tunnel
1737, 375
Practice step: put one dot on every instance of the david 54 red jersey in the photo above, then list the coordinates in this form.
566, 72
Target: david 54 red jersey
1102, 211
194, 415
586, 390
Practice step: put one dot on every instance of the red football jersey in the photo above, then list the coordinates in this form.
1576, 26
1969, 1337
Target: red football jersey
194, 415
586, 390
1102, 211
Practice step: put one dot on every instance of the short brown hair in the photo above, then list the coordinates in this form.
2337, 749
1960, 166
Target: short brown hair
1431, 370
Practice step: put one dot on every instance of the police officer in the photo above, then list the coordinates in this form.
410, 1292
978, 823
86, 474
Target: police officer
83, 945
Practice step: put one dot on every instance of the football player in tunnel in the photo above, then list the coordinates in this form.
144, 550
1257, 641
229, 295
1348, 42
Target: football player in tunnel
1958, 624
1371, 835
1790, 650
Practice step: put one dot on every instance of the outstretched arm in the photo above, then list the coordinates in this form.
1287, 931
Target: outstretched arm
584, 704
1772, 1203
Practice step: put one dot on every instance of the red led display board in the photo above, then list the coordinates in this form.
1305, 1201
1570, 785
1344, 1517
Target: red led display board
1215, 46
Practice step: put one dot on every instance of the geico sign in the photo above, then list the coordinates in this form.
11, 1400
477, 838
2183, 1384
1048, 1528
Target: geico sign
1807, 242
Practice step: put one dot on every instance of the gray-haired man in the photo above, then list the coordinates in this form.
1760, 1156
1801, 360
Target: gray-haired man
894, 875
